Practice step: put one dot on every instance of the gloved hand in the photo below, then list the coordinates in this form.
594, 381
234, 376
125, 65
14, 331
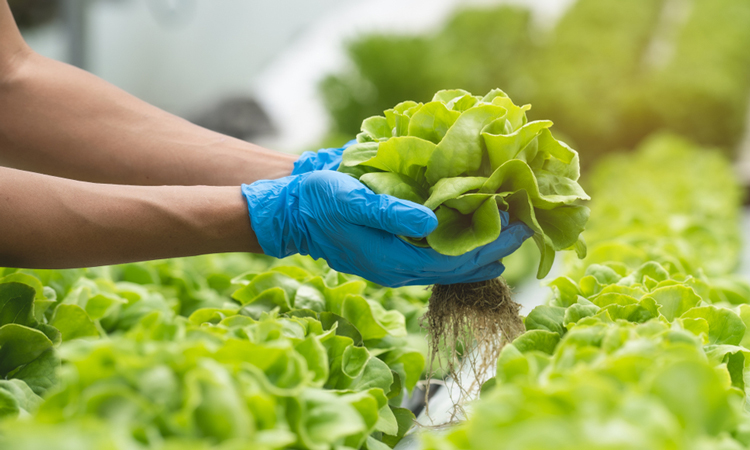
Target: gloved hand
330, 215
323, 159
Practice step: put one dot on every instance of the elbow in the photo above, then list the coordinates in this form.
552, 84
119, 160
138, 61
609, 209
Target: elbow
13, 49
11, 64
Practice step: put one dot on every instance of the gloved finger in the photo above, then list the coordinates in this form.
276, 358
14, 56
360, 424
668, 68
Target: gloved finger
382, 258
388, 213
482, 273
511, 237
504, 219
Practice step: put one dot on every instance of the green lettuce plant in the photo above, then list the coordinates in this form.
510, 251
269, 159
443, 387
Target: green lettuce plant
195, 352
467, 157
28, 356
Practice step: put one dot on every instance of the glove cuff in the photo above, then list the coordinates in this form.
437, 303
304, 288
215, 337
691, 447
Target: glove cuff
305, 163
272, 206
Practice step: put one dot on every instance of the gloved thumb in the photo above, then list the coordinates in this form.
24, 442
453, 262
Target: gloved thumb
388, 213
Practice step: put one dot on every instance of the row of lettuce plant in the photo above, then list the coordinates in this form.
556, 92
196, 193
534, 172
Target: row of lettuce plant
644, 344
192, 353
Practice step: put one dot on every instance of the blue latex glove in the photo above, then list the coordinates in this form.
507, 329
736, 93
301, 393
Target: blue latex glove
330, 215
323, 159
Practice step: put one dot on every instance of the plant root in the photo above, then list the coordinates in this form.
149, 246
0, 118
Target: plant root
467, 325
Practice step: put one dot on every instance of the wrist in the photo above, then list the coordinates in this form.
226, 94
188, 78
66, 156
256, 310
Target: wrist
222, 221
152, 222
235, 162
263, 164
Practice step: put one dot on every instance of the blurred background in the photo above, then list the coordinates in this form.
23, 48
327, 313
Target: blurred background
295, 75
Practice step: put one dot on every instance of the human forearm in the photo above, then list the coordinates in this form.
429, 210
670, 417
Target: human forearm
62, 121
50, 222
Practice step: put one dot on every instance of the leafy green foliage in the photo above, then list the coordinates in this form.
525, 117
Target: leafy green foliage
221, 377
467, 157
195, 352
26, 343
607, 386
684, 218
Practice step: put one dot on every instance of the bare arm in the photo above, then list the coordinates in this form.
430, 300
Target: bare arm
50, 222
59, 120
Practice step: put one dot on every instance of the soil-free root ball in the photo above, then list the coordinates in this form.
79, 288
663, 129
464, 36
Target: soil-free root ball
467, 157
